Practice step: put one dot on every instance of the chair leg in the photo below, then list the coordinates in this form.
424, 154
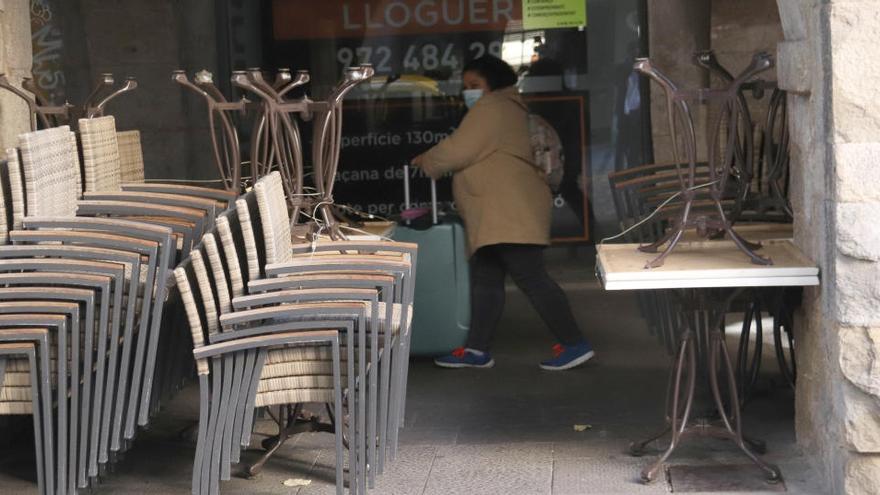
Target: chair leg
113, 381
218, 456
243, 404
42, 431
211, 452
248, 422
74, 432
204, 407
337, 414
398, 390
56, 457
231, 391
384, 392
353, 486
86, 399
406, 337
362, 409
103, 390
394, 415
124, 384
372, 402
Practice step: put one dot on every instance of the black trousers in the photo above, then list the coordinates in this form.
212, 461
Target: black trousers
525, 264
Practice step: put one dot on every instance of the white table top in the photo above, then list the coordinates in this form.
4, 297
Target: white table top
704, 264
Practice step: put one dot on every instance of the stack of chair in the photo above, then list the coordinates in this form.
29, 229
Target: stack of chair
82, 290
131, 174
259, 283
131, 156
88, 344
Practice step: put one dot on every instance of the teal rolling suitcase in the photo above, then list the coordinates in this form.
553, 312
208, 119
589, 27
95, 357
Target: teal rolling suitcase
441, 311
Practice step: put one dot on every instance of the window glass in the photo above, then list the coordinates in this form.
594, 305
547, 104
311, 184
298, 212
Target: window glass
573, 59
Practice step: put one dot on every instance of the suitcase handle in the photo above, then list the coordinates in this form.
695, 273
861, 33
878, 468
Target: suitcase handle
406, 200
435, 217
434, 201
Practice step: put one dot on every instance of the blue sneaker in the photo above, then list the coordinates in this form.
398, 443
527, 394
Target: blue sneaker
566, 357
465, 358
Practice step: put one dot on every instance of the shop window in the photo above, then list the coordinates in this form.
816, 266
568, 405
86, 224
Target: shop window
573, 63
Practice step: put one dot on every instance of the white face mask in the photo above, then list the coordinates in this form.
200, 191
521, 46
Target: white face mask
471, 96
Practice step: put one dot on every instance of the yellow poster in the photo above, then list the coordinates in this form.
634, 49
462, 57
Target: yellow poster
550, 14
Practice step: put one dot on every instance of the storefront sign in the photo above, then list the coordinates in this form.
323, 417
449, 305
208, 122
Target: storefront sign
552, 14
311, 19
419, 55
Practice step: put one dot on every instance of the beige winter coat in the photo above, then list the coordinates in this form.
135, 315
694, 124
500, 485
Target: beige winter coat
500, 194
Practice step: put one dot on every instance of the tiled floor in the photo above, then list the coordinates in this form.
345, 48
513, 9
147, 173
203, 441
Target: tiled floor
508, 430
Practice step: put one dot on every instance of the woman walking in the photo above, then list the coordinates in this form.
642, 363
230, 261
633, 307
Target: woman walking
506, 204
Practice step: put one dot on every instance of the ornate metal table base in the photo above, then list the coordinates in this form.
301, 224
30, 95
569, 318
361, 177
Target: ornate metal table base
708, 341
729, 166
704, 225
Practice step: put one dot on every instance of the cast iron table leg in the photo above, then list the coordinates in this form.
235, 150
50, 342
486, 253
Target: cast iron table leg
679, 421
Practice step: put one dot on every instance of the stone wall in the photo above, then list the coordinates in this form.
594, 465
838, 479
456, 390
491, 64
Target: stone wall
742, 27
739, 29
676, 29
734, 29
147, 40
801, 72
15, 62
828, 62
855, 70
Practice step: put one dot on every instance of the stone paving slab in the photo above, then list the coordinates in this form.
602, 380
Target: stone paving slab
523, 469
600, 475
726, 477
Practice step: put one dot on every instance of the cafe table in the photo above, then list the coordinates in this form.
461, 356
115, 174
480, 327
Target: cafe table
704, 277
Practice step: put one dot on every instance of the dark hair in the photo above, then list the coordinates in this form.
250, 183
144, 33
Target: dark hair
497, 73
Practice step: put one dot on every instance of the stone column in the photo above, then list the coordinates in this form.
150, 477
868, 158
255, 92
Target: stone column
676, 29
855, 70
741, 28
829, 64
15, 61
148, 40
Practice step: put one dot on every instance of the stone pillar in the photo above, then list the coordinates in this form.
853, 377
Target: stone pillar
801, 72
676, 29
741, 28
855, 70
15, 62
829, 64
148, 40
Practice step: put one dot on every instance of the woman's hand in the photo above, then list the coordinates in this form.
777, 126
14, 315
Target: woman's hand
418, 161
